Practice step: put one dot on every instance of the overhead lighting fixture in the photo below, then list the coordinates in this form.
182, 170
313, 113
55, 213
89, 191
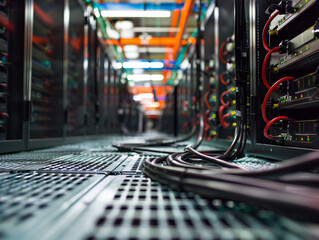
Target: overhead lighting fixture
138, 64
152, 104
143, 96
145, 77
136, 14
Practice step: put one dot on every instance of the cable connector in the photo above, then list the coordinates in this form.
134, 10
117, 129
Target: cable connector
272, 32
284, 7
285, 46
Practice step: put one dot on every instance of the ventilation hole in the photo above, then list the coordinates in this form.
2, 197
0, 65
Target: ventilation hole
153, 207
206, 222
28, 205
46, 195
117, 196
59, 196
138, 208
189, 223
124, 207
43, 205
168, 208
154, 197
129, 196
118, 222
14, 204
100, 221
225, 222
25, 217
90, 238
142, 197
171, 222
153, 222
136, 222
183, 207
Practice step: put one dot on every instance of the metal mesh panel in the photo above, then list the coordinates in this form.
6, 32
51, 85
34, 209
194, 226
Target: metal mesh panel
26, 161
136, 208
131, 166
86, 163
28, 199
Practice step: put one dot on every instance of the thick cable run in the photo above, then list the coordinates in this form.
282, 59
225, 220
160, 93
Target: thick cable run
272, 122
201, 129
266, 28
293, 201
264, 67
214, 160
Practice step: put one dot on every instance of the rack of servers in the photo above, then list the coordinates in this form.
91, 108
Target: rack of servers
279, 62
58, 83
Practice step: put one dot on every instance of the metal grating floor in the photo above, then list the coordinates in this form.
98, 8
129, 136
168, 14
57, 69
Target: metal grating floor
28, 199
134, 207
87, 163
88, 191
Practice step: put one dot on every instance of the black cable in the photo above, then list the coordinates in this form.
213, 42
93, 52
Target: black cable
294, 201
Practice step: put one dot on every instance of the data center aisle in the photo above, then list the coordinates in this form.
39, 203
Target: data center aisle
91, 191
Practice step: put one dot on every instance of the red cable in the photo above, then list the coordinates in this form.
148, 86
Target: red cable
276, 119
263, 72
4, 115
273, 87
206, 100
222, 46
222, 80
222, 98
220, 114
266, 28
226, 116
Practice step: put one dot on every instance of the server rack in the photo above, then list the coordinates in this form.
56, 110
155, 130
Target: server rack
75, 110
301, 134
13, 85
91, 106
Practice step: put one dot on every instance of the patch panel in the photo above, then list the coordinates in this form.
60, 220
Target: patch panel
302, 133
297, 14
302, 92
300, 53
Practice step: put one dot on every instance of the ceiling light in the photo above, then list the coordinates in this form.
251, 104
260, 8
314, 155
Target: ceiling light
152, 104
124, 25
157, 77
138, 64
143, 96
136, 14
145, 77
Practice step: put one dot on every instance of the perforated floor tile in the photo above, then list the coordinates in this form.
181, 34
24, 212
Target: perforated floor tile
27, 161
28, 200
134, 207
132, 165
85, 163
